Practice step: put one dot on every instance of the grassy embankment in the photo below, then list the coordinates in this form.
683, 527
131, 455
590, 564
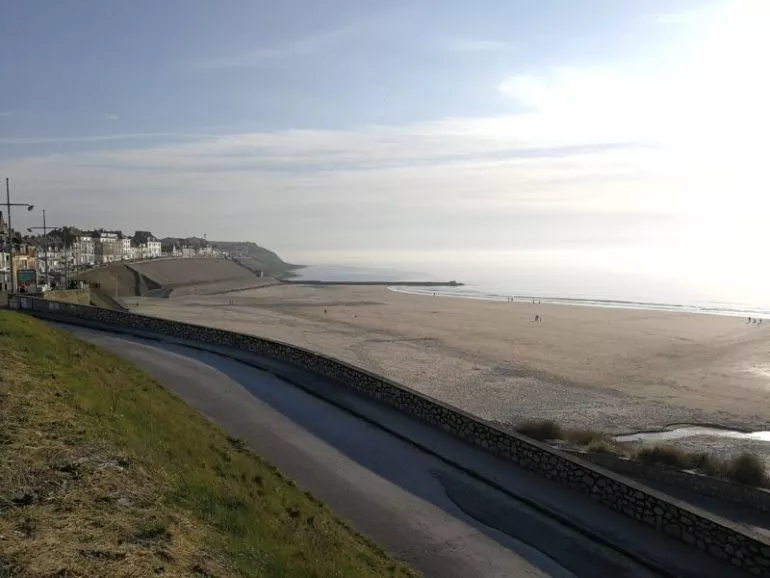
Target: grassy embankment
746, 468
105, 473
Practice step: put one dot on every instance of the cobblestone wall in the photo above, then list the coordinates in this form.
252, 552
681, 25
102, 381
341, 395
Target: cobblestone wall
722, 489
717, 537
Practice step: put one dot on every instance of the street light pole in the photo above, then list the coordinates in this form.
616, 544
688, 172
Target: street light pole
10, 233
8, 205
44, 228
45, 252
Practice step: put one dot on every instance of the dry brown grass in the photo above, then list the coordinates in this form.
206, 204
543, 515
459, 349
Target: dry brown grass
585, 437
603, 446
746, 469
664, 455
104, 473
541, 430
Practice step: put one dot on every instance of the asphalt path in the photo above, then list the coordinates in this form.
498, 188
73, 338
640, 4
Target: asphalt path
434, 515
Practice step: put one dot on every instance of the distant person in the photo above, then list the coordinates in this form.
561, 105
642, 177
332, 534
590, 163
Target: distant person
537, 318
749, 321
324, 311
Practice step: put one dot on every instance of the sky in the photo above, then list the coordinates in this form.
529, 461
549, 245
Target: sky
626, 136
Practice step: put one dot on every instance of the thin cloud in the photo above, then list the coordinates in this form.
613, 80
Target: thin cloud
478, 46
330, 188
96, 138
302, 47
714, 14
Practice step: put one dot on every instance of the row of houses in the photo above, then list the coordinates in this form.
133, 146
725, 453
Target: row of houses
102, 247
97, 247
87, 249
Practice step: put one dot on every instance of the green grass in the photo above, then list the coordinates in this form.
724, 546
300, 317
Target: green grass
103, 472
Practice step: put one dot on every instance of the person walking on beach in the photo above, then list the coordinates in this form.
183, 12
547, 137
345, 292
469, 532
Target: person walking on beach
749, 321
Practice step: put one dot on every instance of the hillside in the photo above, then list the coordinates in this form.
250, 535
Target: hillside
103, 473
259, 257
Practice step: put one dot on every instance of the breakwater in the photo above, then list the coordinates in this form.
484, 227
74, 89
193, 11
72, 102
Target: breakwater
381, 283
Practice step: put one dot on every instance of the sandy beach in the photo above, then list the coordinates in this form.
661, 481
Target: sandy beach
610, 369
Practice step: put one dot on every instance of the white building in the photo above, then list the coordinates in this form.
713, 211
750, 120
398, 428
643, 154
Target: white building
57, 256
127, 249
108, 246
205, 251
5, 270
84, 250
146, 244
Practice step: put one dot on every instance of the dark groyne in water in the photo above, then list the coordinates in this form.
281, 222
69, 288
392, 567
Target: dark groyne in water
384, 283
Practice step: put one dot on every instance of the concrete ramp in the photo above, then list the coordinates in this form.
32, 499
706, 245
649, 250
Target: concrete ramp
178, 277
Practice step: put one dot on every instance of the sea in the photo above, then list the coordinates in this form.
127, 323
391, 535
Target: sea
615, 292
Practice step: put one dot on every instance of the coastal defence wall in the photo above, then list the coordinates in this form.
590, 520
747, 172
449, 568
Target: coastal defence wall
195, 276
756, 498
719, 538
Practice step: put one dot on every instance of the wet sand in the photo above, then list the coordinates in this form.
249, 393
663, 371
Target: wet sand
610, 369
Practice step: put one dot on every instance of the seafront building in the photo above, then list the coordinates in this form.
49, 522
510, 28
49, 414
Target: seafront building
86, 249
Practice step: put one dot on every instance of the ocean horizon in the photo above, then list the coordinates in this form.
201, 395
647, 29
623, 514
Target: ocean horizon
485, 287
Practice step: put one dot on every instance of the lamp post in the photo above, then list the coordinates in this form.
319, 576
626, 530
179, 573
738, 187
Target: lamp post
8, 205
45, 229
67, 245
45, 248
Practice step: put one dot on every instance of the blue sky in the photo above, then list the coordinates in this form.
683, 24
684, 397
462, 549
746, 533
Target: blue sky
379, 130
90, 68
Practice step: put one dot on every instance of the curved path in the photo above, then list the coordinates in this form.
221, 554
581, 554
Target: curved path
402, 490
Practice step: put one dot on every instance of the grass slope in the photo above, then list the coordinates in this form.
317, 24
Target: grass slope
105, 473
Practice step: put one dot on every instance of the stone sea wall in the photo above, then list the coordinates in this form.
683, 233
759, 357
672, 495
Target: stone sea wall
722, 489
719, 538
